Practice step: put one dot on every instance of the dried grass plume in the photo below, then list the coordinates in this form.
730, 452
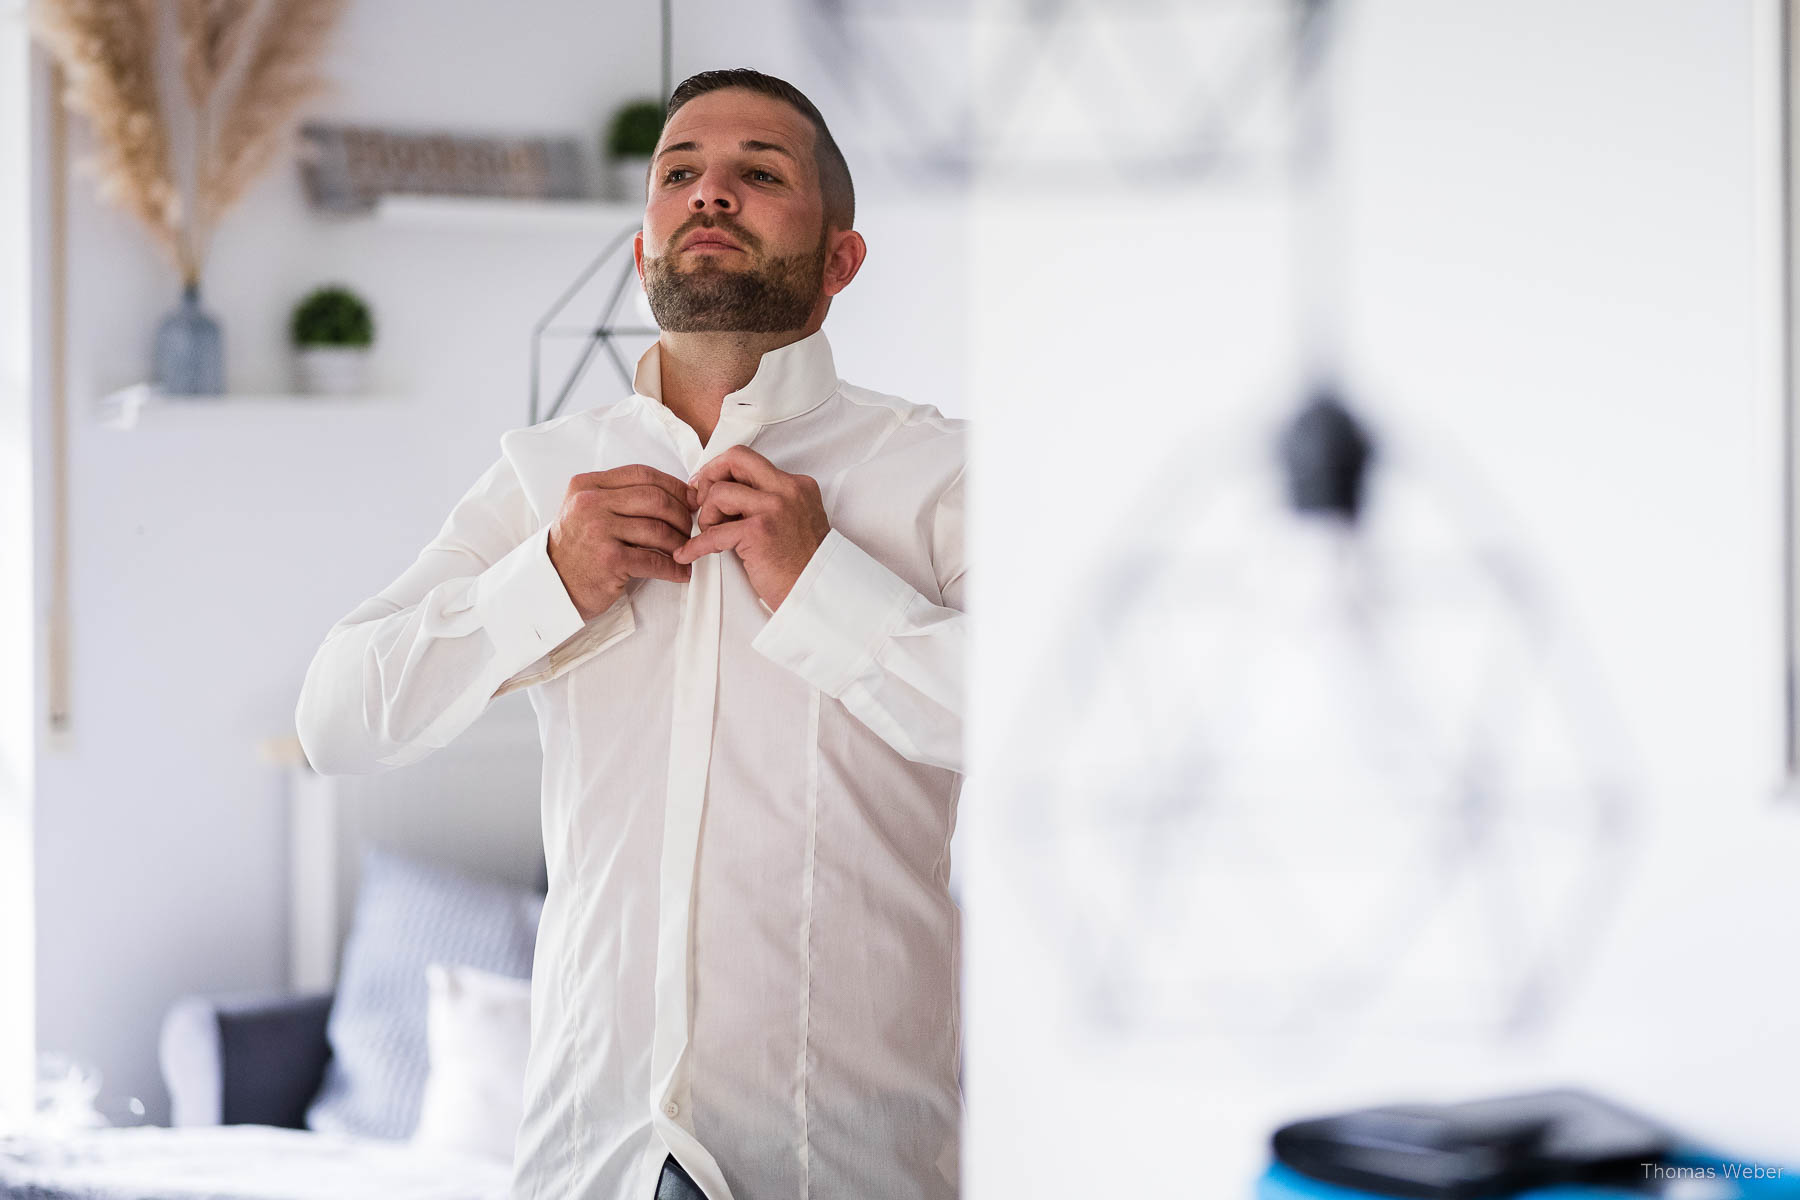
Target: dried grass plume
247, 67
281, 76
107, 51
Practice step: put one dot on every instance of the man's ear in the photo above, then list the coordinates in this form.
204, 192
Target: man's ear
637, 253
844, 255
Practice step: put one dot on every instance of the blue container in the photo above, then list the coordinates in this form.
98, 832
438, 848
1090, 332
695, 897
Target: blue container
1707, 1175
189, 355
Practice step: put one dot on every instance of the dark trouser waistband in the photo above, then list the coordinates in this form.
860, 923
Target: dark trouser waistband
677, 1184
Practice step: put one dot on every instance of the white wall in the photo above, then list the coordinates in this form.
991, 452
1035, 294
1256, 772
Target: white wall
1556, 270
210, 551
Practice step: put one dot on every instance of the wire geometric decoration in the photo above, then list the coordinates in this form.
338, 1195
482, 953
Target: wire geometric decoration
623, 317
1077, 93
1296, 776
625, 313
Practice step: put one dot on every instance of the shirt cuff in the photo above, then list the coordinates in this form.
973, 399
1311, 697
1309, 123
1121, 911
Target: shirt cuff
834, 619
523, 604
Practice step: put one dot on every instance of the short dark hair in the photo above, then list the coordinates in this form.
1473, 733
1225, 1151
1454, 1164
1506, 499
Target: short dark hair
835, 188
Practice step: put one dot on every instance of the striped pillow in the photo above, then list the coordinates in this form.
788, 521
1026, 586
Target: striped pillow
408, 914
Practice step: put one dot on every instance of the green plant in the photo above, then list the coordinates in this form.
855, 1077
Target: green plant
332, 316
634, 130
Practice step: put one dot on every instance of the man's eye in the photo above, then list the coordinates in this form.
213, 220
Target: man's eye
760, 171
670, 175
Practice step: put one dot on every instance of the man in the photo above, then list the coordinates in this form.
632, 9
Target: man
736, 600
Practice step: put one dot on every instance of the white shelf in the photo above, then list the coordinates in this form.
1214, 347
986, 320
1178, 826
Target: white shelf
129, 407
499, 212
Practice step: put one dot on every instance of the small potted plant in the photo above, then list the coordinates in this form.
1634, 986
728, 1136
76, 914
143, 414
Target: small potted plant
630, 143
332, 332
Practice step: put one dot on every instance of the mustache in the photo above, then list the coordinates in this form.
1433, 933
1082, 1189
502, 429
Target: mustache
707, 221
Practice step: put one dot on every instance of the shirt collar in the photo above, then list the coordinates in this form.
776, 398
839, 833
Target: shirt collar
789, 380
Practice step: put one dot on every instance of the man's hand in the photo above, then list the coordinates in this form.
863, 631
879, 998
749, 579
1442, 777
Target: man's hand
774, 521
615, 526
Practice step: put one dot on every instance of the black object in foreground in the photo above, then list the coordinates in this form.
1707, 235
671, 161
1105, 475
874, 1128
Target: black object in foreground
1477, 1148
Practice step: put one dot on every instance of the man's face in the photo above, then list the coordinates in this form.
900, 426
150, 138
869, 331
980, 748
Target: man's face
734, 236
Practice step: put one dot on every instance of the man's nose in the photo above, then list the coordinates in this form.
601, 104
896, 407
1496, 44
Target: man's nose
712, 194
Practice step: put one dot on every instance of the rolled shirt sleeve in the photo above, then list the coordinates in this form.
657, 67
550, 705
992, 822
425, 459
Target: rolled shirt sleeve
864, 636
414, 665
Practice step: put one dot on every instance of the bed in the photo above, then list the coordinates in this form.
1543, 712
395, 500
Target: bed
471, 807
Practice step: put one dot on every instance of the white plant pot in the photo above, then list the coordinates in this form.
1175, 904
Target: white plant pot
627, 179
331, 370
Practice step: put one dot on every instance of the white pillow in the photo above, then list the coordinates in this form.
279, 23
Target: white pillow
478, 1031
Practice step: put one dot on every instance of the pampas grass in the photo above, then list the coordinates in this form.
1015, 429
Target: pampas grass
247, 67
211, 32
281, 76
107, 50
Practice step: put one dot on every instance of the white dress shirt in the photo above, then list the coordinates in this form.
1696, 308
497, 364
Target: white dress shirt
749, 954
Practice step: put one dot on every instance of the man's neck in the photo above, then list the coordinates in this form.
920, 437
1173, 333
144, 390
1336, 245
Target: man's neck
700, 369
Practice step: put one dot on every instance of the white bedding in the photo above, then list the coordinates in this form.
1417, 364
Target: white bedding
229, 1162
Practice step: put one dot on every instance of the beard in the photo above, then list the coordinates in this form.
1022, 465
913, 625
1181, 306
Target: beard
774, 296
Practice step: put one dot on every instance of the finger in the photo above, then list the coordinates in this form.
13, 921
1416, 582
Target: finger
720, 537
742, 464
726, 499
634, 475
650, 564
646, 501
649, 532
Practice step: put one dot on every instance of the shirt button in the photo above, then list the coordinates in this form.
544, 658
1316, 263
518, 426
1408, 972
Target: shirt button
672, 1108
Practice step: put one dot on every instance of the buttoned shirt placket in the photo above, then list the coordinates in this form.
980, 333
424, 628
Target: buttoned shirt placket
690, 754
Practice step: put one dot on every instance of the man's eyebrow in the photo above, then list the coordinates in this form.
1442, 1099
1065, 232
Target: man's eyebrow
748, 144
776, 147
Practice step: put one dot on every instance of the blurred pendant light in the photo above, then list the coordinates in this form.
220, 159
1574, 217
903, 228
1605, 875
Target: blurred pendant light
1325, 450
1314, 760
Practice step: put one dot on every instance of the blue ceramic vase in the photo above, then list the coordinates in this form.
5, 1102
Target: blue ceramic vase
189, 356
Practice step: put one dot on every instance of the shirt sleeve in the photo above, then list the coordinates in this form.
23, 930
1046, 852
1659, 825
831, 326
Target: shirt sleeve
414, 665
864, 636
